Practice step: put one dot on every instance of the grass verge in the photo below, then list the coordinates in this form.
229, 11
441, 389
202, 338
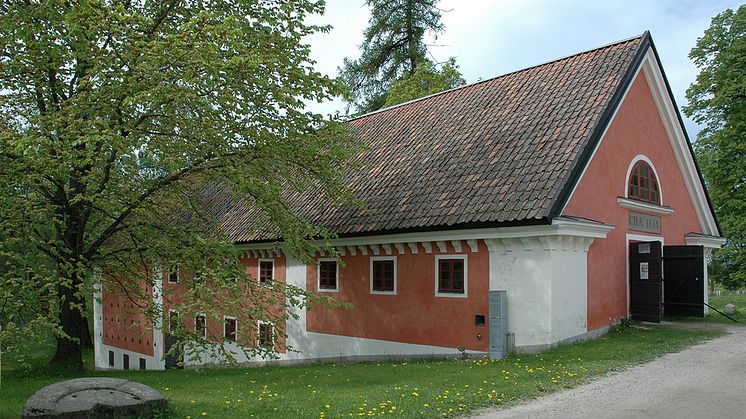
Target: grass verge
719, 303
433, 388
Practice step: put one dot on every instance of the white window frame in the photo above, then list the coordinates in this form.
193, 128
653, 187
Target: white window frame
646, 159
177, 315
204, 332
396, 279
318, 275
259, 324
168, 276
463, 257
225, 337
259, 272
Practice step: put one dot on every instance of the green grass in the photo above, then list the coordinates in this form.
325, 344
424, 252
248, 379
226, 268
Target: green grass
719, 303
432, 388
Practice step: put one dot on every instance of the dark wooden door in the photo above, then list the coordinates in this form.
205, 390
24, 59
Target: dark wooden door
645, 281
175, 359
683, 282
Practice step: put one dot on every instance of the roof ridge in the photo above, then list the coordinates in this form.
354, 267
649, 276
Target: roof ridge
398, 105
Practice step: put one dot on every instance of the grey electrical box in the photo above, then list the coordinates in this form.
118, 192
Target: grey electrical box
498, 324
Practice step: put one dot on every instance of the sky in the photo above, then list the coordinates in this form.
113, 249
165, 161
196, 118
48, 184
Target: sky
493, 37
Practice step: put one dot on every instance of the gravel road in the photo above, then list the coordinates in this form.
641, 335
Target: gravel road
707, 380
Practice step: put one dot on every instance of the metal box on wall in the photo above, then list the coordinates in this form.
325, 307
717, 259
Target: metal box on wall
498, 324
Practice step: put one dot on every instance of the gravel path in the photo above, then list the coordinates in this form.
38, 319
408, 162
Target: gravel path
707, 380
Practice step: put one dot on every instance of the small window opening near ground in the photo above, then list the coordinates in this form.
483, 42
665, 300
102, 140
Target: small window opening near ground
229, 330
643, 184
173, 276
266, 338
200, 325
451, 276
328, 275
266, 271
383, 274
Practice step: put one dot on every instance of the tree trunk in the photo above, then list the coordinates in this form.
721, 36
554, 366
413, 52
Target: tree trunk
69, 355
411, 41
86, 340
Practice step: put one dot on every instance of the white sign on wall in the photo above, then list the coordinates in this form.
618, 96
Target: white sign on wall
644, 270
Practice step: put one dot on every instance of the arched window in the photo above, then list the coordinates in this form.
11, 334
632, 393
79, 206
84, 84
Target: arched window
643, 185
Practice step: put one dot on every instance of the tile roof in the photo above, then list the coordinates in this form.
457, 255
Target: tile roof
496, 152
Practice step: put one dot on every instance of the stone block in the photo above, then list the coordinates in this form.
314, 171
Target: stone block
94, 398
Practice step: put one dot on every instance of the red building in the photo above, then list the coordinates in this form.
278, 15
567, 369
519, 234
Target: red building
541, 183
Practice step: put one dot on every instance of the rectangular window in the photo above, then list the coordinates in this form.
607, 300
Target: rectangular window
173, 318
111, 358
125, 361
266, 335
266, 271
173, 276
450, 276
142, 363
229, 330
328, 275
383, 274
200, 325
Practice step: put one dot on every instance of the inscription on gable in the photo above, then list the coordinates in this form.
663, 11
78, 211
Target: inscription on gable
644, 222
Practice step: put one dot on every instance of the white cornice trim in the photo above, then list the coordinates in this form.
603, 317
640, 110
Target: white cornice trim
560, 226
708, 242
645, 207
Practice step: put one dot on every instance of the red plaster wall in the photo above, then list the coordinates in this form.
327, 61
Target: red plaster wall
414, 314
172, 293
124, 325
636, 129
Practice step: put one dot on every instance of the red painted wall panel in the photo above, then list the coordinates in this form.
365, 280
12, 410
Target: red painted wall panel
636, 129
215, 324
124, 325
414, 314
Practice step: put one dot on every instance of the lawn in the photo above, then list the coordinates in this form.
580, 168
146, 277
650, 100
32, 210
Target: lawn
719, 303
432, 388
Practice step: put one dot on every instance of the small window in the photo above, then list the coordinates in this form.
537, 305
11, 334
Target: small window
383, 274
229, 330
173, 318
266, 335
479, 320
125, 361
643, 185
111, 358
328, 275
200, 325
173, 276
266, 271
450, 276
142, 363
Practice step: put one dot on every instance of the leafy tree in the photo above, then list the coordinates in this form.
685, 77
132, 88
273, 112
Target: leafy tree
426, 80
117, 117
394, 45
717, 99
